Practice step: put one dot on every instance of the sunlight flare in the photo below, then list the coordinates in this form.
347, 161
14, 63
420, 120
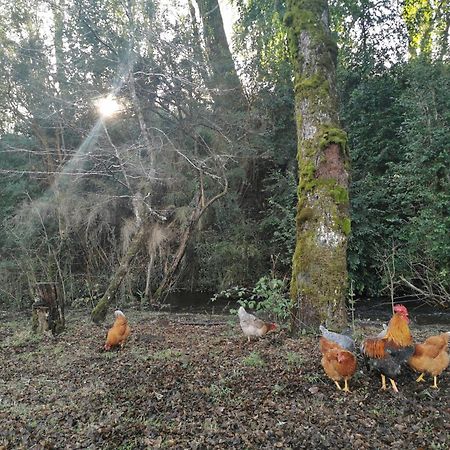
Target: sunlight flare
107, 106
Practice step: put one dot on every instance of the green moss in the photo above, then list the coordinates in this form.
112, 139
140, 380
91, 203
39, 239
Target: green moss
303, 15
307, 181
299, 121
306, 15
316, 84
304, 215
311, 262
333, 135
346, 225
339, 194
304, 84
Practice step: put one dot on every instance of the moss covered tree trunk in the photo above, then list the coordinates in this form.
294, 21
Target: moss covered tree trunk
98, 314
224, 81
319, 272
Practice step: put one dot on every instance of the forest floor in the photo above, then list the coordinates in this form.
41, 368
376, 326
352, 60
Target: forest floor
193, 382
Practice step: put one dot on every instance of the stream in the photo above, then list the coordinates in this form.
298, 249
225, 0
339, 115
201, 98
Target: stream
378, 309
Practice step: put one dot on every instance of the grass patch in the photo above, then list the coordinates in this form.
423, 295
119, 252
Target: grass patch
294, 359
219, 392
254, 360
167, 354
312, 377
21, 338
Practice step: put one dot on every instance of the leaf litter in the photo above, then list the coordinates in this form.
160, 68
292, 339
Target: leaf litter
193, 382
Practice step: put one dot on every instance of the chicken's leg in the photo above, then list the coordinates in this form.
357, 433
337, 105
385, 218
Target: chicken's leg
337, 384
383, 382
346, 389
420, 378
394, 386
434, 385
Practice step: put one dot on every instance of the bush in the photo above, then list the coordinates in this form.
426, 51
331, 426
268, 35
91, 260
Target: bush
269, 296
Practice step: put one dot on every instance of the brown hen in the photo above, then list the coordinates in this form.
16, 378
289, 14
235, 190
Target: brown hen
431, 357
119, 332
339, 364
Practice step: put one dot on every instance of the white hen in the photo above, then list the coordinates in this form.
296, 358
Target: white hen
252, 326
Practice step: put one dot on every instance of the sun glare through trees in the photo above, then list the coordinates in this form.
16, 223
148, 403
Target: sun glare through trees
107, 106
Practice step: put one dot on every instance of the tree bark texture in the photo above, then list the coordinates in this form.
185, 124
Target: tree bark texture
319, 272
48, 309
224, 80
98, 314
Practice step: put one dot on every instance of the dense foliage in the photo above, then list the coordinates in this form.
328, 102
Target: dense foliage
400, 193
76, 188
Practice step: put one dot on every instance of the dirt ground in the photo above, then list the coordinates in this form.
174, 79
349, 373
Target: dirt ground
193, 382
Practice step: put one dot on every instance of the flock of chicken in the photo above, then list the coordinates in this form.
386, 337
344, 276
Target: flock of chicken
386, 353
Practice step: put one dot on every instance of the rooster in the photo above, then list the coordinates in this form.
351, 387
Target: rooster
391, 348
252, 326
119, 332
431, 357
338, 363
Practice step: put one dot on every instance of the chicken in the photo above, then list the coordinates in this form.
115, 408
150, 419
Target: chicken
391, 348
338, 363
119, 332
431, 357
346, 342
252, 326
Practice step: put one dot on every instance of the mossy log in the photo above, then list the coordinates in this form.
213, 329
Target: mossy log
48, 309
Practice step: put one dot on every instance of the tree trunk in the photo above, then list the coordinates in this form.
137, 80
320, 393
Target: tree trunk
99, 312
148, 291
48, 309
142, 124
58, 8
227, 88
319, 272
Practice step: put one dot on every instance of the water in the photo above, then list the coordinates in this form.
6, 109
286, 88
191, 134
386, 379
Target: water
365, 309
420, 313
197, 302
